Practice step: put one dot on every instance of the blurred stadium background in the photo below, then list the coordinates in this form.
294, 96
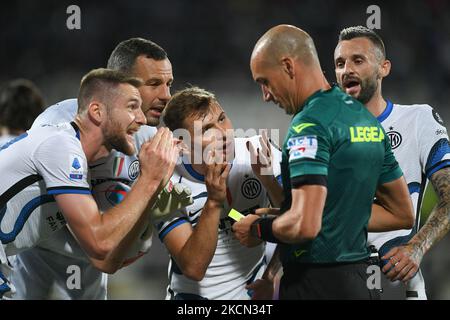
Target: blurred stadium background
209, 44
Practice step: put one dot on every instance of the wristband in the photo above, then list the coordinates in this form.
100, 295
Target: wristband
262, 229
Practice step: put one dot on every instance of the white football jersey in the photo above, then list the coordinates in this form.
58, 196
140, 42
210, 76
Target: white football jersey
420, 144
233, 266
47, 263
35, 166
116, 166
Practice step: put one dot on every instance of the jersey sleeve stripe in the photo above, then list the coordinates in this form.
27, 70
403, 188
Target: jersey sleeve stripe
437, 167
68, 190
437, 153
19, 186
172, 226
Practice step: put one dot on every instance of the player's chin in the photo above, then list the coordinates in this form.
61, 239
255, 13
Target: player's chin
153, 121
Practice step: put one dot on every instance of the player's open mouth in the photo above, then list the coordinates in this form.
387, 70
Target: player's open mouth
156, 111
352, 86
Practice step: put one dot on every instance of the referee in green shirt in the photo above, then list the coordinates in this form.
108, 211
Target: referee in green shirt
336, 159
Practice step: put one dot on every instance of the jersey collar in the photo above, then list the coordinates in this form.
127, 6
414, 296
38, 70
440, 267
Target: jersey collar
194, 174
77, 130
387, 111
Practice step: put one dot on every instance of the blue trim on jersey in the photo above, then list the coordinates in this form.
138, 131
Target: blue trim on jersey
437, 168
414, 187
279, 180
437, 152
193, 173
68, 191
383, 116
4, 288
254, 274
10, 142
77, 130
171, 227
200, 195
23, 217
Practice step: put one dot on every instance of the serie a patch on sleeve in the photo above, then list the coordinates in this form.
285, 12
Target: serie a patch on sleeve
76, 168
302, 147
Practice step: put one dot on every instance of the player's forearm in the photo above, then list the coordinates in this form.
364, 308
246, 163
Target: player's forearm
436, 227
199, 249
438, 224
382, 220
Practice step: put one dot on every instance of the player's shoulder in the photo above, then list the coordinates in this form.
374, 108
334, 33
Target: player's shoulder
421, 108
58, 135
63, 111
425, 113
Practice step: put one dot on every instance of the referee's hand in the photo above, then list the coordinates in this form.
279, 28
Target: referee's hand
241, 231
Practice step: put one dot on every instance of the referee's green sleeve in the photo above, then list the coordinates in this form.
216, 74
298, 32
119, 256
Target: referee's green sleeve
391, 170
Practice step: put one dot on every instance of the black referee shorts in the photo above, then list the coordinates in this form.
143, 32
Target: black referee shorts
340, 281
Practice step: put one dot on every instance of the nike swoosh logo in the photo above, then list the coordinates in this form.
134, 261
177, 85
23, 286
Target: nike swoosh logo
298, 253
191, 214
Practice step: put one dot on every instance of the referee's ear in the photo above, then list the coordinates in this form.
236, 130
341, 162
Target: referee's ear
385, 68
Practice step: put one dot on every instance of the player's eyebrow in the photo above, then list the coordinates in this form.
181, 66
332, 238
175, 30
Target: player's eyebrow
358, 56
153, 80
211, 124
134, 100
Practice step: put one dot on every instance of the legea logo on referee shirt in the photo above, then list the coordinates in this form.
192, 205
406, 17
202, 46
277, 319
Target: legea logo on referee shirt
302, 147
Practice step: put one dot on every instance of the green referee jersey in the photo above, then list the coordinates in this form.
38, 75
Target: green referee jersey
334, 135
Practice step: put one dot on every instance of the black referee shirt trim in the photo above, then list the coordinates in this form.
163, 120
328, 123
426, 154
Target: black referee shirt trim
309, 179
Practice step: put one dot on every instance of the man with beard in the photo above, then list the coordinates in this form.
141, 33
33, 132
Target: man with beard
335, 159
420, 144
45, 182
43, 269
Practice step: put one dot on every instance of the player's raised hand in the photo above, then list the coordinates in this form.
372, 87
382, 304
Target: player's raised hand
216, 178
158, 156
261, 157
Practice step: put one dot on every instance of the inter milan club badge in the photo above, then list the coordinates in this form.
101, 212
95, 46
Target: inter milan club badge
395, 138
251, 188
